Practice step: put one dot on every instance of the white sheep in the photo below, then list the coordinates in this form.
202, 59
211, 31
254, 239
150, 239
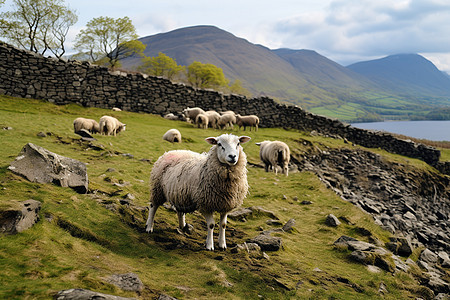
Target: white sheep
213, 117
273, 154
88, 124
191, 113
116, 109
244, 121
202, 121
110, 125
208, 182
172, 135
226, 120
171, 116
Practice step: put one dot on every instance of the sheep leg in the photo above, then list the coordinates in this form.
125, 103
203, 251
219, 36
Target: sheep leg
182, 223
209, 237
151, 217
222, 226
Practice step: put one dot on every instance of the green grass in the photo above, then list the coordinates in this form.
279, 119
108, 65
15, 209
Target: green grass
79, 241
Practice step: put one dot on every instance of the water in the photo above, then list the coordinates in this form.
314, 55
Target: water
430, 130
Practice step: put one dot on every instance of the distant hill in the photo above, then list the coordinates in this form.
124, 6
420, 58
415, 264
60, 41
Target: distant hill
301, 77
405, 73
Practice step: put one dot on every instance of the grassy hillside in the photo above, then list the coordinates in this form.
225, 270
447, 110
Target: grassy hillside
82, 239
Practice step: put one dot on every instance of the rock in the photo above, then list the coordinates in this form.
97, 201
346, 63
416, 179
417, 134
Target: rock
166, 297
42, 134
267, 242
21, 217
373, 269
289, 225
85, 135
82, 294
332, 221
127, 282
242, 213
428, 257
40, 165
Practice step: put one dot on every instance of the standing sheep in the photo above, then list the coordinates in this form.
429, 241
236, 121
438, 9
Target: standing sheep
208, 182
110, 125
251, 121
172, 135
191, 113
88, 124
226, 120
202, 121
213, 117
273, 154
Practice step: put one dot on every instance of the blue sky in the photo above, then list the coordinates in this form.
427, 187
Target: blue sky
345, 31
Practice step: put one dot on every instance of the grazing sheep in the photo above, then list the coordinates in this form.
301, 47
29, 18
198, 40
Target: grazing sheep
116, 109
226, 120
208, 182
172, 135
213, 117
88, 124
202, 121
273, 154
251, 121
192, 113
110, 125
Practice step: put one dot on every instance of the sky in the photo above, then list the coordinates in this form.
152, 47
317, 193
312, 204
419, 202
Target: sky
345, 31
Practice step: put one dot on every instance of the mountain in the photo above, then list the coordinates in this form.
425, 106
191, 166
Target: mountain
405, 73
300, 77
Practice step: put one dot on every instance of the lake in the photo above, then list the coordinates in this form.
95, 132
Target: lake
430, 130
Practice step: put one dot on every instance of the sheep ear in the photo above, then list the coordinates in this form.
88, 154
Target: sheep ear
211, 140
259, 144
244, 139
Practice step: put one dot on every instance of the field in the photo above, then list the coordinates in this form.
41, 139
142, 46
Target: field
81, 239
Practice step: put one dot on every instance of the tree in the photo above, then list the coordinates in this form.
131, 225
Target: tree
38, 25
161, 65
237, 88
107, 40
206, 76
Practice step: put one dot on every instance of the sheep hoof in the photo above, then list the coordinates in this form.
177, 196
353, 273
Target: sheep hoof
223, 248
187, 229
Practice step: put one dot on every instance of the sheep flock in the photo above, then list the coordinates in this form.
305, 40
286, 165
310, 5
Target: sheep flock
210, 182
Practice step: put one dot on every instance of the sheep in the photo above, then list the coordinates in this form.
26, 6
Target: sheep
192, 113
110, 125
226, 120
171, 116
245, 121
116, 109
273, 154
88, 124
202, 121
209, 182
172, 135
213, 117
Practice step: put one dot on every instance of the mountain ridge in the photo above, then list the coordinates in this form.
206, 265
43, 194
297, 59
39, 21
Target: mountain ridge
300, 77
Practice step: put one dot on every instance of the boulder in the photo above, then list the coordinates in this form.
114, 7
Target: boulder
267, 242
127, 282
19, 216
332, 221
40, 165
82, 294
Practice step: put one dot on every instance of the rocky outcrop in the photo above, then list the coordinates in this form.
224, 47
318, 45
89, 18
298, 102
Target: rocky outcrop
40, 165
19, 216
82, 294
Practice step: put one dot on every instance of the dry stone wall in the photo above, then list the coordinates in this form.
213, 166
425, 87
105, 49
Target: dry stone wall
29, 75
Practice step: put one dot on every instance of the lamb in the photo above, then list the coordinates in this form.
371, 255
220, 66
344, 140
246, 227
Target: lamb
171, 116
213, 117
116, 109
226, 120
172, 135
273, 154
208, 182
88, 124
191, 113
110, 125
202, 121
251, 120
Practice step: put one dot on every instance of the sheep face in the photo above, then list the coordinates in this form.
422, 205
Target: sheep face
228, 147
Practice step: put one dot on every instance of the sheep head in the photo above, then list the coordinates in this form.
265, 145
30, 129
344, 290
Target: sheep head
228, 147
